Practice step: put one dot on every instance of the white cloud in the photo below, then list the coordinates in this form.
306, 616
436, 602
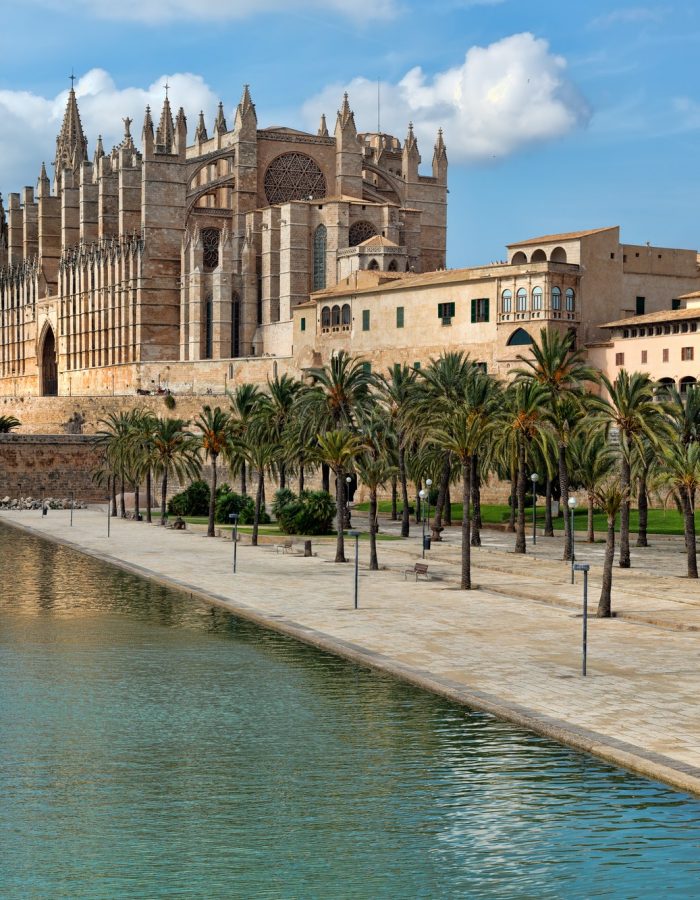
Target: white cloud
502, 98
31, 122
157, 11
630, 15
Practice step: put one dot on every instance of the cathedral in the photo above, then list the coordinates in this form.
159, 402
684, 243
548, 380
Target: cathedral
187, 252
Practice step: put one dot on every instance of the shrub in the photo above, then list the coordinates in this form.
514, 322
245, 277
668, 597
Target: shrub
237, 503
310, 513
193, 501
282, 497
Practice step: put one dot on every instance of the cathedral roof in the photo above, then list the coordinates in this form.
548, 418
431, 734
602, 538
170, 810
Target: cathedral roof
567, 236
377, 240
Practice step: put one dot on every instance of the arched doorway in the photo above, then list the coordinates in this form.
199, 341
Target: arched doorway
49, 368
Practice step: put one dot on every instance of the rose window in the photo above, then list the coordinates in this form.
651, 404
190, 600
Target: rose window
293, 176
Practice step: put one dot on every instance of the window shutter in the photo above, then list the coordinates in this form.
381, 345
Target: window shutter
473, 310
486, 309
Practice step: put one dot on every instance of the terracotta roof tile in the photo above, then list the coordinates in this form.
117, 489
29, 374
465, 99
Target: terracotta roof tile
566, 236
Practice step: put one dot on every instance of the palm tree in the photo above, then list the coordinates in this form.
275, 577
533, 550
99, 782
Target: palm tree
142, 445
593, 460
244, 403
116, 437
630, 409
215, 425
682, 472
337, 448
7, 423
274, 415
555, 364
443, 380
398, 393
374, 471
462, 428
175, 453
523, 422
609, 497
262, 457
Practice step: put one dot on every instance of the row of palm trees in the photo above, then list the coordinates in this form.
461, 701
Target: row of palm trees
450, 422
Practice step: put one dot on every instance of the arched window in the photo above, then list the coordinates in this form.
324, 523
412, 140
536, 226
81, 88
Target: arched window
556, 298
320, 258
208, 327
537, 298
686, 383
570, 300
359, 232
393, 267
519, 258
326, 317
335, 316
538, 256
519, 338
558, 255
507, 301
210, 245
373, 264
521, 300
345, 314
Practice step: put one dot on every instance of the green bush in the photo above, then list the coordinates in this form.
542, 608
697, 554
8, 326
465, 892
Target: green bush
310, 513
237, 503
193, 501
282, 497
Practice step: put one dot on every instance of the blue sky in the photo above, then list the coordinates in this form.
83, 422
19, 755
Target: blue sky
557, 116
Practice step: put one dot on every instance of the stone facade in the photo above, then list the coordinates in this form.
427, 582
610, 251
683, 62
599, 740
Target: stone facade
177, 253
48, 466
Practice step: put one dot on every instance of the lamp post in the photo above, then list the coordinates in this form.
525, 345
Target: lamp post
421, 494
72, 504
428, 483
573, 503
584, 567
348, 482
234, 518
534, 478
356, 535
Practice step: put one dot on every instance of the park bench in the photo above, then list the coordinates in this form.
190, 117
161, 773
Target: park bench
285, 547
416, 570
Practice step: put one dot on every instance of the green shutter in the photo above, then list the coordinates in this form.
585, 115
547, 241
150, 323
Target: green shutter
416, 365
367, 368
486, 309
399, 316
365, 320
303, 324
473, 310
440, 312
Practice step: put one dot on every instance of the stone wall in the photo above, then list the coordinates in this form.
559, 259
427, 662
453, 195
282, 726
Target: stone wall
45, 465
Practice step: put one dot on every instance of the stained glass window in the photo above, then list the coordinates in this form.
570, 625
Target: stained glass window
210, 243
359, 232
320, 258
293, 176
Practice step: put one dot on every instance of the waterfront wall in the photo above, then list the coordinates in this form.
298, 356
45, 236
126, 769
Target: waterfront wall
48, 465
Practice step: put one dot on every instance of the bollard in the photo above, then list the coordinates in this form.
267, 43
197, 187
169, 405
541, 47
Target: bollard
307, 548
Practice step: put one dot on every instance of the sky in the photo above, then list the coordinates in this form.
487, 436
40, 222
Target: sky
557, 116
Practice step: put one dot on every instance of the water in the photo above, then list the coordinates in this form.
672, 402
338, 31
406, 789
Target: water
151, 747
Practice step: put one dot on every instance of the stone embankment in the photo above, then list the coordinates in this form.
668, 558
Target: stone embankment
22, 503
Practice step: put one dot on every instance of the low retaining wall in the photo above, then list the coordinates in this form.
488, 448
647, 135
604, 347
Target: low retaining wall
48, 465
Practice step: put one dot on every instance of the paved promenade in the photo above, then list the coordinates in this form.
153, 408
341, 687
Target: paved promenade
512, 647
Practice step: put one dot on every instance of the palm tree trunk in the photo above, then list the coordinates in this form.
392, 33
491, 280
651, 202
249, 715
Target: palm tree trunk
520, 530
212, 497
325, 478
419, 506
625, 478
442, 493
258, 506
405, 519
590, 537
448, 506
114, 496
548, 526
163, 495
340, 516
149, 495
604, 604
244, 483
643, 509
689, 528
513, 500
137, 502
467, 475
122, 498
475, 539
394, 499
301, 477
564, 499
283, 475
373, 561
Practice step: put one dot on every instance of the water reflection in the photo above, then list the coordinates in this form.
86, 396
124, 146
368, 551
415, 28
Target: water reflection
155, 747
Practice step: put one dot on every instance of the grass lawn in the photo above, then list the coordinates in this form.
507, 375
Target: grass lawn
661, 521
274, 530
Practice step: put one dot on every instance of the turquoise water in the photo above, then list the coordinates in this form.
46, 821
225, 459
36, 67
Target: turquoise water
151, 747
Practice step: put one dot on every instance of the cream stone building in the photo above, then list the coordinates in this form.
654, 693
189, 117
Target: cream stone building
153, 262
575, 281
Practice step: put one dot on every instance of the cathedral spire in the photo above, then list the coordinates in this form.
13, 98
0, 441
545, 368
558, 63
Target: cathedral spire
323, 127
410, 159
165, 133
246, 103
200, 134
71, 143
147, 133
346, 117
440, 158
220, 126
99, 150
43, 187
246, 123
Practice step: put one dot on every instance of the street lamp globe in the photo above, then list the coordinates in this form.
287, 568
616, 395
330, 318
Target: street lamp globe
573, 502
421, 494
428, 481
534, 478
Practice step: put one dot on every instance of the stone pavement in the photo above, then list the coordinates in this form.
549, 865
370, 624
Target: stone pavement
512, 648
